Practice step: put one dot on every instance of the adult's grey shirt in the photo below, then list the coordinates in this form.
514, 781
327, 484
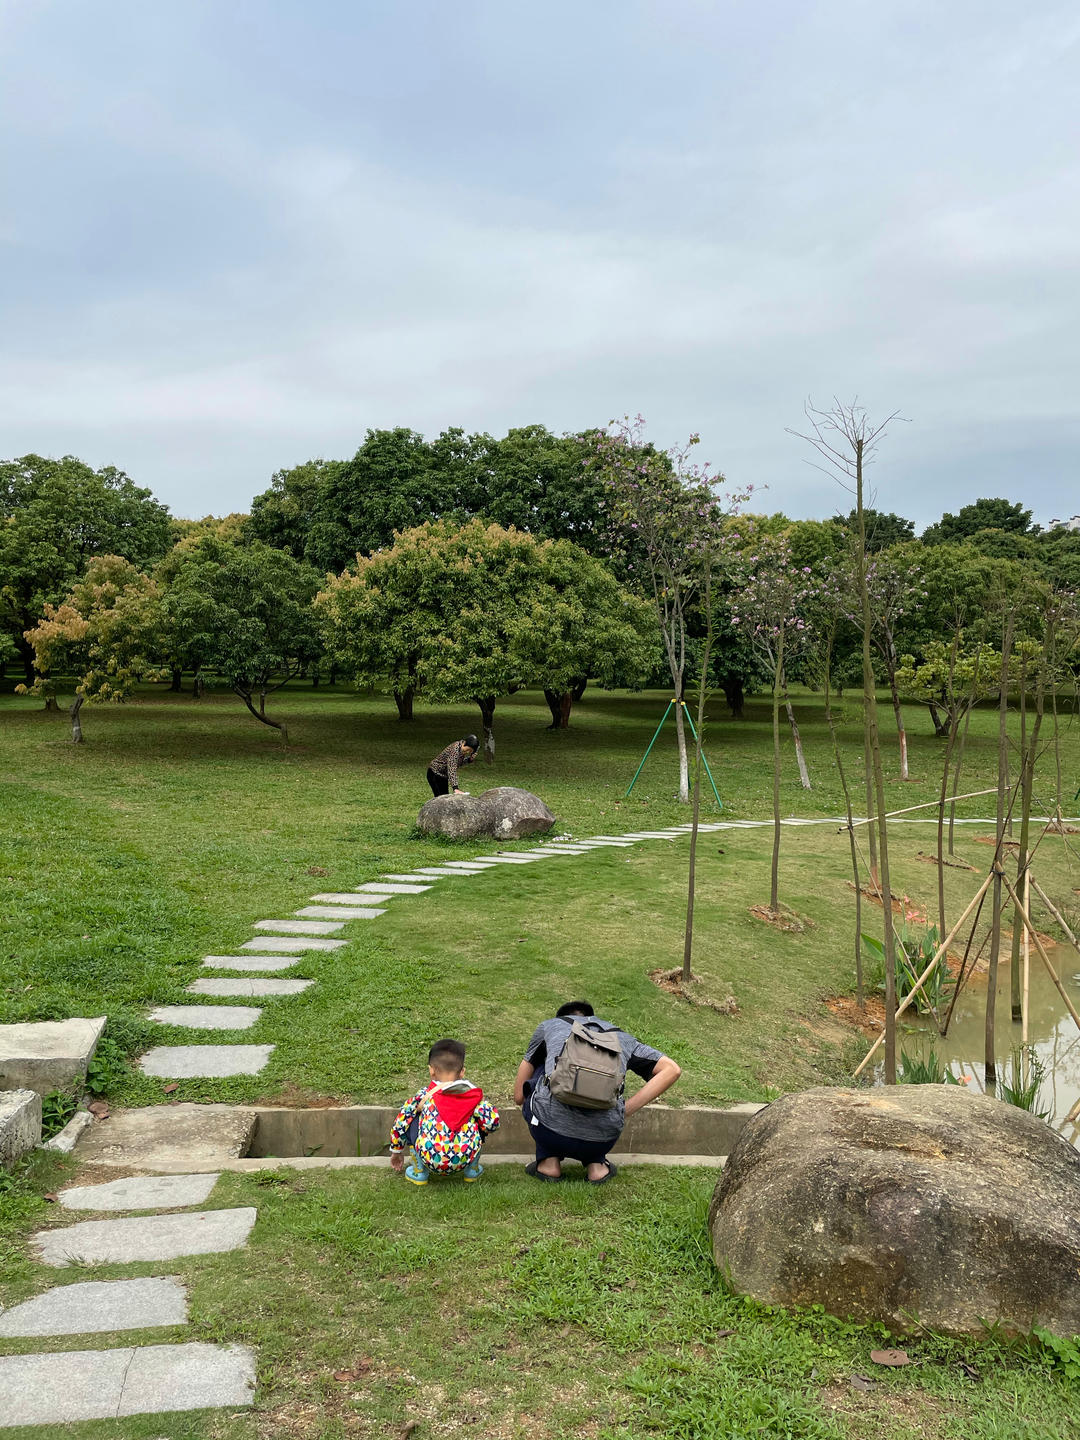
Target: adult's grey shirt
598, 1126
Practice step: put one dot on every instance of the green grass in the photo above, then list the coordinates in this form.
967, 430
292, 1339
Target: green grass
521, 1312
178, 824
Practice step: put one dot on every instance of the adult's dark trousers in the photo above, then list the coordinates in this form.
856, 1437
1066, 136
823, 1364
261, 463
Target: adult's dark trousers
440, 784
549, 1144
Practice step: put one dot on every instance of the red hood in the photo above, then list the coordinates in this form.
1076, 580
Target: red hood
456, 1108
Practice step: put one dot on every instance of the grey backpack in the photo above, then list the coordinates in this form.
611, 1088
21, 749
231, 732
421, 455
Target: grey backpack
590, 1070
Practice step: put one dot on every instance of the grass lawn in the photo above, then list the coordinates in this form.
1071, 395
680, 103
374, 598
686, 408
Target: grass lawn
178, 824
519, 1312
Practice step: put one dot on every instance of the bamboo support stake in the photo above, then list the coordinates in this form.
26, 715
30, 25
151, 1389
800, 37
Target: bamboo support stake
1055, 913
909, 998
1026, 960
928, 805
1026, 918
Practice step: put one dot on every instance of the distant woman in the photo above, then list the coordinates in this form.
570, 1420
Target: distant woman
442, 773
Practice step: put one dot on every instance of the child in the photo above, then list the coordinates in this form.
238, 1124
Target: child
446, 1123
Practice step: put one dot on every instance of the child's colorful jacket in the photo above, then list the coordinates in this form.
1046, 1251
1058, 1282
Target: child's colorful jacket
446, 1124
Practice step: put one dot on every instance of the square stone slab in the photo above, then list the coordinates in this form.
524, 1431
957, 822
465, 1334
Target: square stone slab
392, 887
344, 912
207, 1017
47, 1055
96, 1306
511, 859
266, 963
440, 872
469, 866
299, 927
20, 1123
145, 1237
284, 944
140, 1192
204, 1062
351, 897
72, 1385
180, 1137
242, 985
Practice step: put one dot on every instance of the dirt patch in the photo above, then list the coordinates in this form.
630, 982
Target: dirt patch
692, 991
953, 864
992, 840
868, 1018
902, 905
866, 1407
783, 919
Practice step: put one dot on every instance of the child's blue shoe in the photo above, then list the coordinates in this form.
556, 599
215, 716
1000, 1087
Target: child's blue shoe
417, 1173
472, 1172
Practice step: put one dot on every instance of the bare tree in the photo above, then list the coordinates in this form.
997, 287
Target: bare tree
846, 441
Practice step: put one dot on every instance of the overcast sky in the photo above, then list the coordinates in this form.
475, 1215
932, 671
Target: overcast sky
236, 234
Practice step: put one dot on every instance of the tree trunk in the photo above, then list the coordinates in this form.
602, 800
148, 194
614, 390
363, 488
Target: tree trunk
989, 1060
941, 727
732, 687
177, 678
559, 703
403, 699
850, 829
198, 686
76, 721
261, 715
684, 769
688, 934
804, 774
487, 716
26, 655
774, 873
51, 703
900, 731
1028, 753
577, 689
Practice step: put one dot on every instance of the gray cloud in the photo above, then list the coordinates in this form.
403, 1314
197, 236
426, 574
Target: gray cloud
237, 236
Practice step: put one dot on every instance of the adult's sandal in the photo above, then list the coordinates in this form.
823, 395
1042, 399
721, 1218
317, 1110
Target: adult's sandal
612, 1171
536, 1174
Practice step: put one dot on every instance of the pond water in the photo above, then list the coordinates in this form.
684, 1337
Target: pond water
1051, 1030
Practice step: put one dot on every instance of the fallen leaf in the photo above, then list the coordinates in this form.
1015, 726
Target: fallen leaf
722, 1334
341, 1376
170, 1088
862, 1382
969, 1370
892, 1358
99, 1109
50, 1196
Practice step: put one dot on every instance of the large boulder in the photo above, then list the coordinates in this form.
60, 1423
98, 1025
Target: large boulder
504, 812
919, 1203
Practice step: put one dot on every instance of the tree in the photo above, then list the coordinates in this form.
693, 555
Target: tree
883, 529
243, 611
893, 578
982, 515
56, 516
476, 611
667, 519
106, 632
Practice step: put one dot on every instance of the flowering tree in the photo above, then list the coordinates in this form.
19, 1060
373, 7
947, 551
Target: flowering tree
774, 602
667, 522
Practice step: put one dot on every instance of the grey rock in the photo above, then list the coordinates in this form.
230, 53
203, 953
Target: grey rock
458, 817
20, 1123
344, 912
243, 985
211, 1062
504, 812
47, 1055
260, 963
66, 1139
298, 927
96, 1306
286, 944
68, 1386
140, 1192
145, 1237
192, 1137
917, 1204
207, 1017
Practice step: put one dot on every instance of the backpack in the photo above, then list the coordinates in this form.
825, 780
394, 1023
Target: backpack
590, 1071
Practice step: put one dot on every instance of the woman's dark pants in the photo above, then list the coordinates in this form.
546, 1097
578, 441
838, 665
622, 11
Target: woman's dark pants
440, 785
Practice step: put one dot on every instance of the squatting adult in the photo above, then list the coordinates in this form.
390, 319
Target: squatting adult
568, 1131
442, 773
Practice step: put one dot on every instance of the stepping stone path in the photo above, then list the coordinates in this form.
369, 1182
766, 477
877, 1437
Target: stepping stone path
207, 1017
284, 944
343, 912
349, 897
266, 963
63, 1387
211, 1062
298, 927
243, 986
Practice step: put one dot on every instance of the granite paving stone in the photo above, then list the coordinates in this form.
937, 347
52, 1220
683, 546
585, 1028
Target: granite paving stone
469, 867
251, 962
392, 887
145, 1237
511, 859
441, 872
47, 1055
94, 1307
344, 912
299, 927
208, 1062
72, 1385
351, 897
245, 985
140, 1192
283, 943
207, 1017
